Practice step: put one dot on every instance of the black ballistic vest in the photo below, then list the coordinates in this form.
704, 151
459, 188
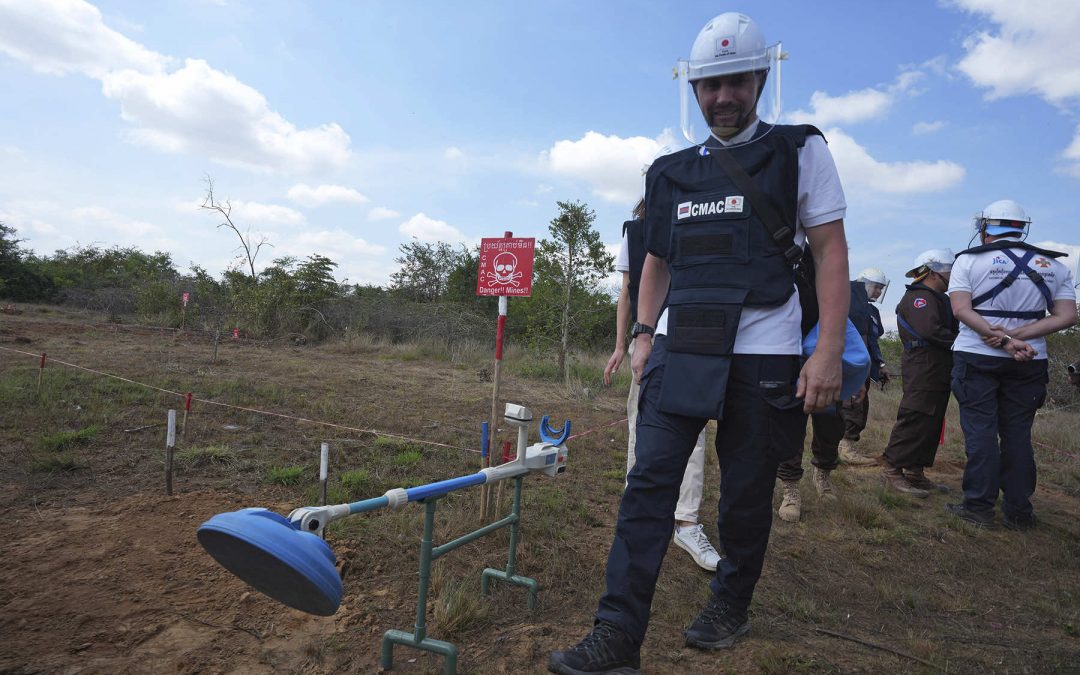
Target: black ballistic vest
634, 230
722, 258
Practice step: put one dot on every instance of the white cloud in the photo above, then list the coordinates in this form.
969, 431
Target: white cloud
1032, 49
453, 154
429, 229
254, 213
305, 195
382, 213
922, 128
543, 189
59, 37
1071, 155
98, 216
611, 164
331, 243
855, 106
858, 168
194, 109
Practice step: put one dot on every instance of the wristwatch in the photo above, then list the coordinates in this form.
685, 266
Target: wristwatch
638, 328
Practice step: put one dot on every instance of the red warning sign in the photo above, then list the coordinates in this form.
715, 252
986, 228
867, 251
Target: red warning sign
506, 266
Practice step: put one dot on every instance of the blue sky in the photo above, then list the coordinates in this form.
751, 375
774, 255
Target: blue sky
345, 128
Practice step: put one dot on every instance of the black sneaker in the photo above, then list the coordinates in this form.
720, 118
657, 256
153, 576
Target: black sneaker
718, 626
1019, 523
606, 649
981, 520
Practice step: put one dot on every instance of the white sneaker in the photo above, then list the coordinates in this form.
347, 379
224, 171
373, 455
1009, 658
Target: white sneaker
692, 539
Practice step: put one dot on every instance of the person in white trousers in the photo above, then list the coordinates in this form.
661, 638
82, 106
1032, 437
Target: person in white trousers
689, 534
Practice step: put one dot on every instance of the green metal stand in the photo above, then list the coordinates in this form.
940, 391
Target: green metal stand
428, 553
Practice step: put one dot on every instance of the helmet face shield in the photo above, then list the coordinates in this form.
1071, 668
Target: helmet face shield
762, 64
1002, 218
997, 228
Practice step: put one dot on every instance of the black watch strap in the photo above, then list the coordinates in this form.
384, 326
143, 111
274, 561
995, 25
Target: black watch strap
638, 328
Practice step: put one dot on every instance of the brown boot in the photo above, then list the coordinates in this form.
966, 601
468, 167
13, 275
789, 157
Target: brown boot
917, 478
791, 507
850, 454
823, 485
894, 479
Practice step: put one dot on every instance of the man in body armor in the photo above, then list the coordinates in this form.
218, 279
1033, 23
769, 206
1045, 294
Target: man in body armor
721, 247
836, 430
927, 329
868, 288
689, 534
1008, 295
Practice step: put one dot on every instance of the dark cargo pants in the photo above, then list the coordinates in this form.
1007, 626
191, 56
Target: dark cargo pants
998, 398
762, 425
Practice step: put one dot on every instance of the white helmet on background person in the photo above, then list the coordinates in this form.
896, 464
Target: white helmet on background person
938, 260
1003, 218
729, 44
872, 275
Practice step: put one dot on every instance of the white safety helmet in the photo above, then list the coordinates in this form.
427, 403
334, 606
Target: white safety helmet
1003, 217
730, 43
938, 260
872, 275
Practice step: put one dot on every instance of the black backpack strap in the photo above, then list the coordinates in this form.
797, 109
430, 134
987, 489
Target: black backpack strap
781, 233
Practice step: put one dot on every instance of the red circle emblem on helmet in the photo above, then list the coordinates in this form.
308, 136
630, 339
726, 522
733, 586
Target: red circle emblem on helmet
919, 303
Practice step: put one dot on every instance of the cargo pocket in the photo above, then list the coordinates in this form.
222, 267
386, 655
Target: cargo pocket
959, 371
702, 324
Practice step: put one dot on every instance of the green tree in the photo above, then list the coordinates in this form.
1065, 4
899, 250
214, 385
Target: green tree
424, 270
20, 276
569, 268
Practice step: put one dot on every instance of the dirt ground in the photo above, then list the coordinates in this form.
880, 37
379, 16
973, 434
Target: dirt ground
102, 572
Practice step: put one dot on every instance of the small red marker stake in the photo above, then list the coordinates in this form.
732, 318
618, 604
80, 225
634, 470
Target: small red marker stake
187, 408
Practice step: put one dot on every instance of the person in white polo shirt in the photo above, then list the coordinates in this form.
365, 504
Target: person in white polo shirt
1008, 296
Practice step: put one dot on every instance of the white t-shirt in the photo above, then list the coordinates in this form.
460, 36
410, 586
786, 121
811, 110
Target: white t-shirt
622, 261
977, 273
777, 330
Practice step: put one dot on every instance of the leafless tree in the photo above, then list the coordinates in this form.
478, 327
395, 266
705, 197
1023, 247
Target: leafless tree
247, 245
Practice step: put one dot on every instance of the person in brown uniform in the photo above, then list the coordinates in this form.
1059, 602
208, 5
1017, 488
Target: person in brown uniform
927, 329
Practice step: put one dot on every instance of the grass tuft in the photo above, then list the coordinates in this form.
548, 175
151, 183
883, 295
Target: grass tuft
459, 607
211, 454
285, 475
408, 458
55, 462
65, 440
355, 483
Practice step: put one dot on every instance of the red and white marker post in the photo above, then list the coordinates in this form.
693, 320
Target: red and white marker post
505, 269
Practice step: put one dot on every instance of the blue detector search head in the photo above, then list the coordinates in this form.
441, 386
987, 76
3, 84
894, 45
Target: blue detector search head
265, 550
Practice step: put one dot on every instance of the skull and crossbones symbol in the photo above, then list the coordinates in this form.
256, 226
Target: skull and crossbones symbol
505, 273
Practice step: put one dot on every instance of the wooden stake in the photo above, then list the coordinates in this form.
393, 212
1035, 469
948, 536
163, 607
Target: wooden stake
170, 442
324, 470
41, 373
